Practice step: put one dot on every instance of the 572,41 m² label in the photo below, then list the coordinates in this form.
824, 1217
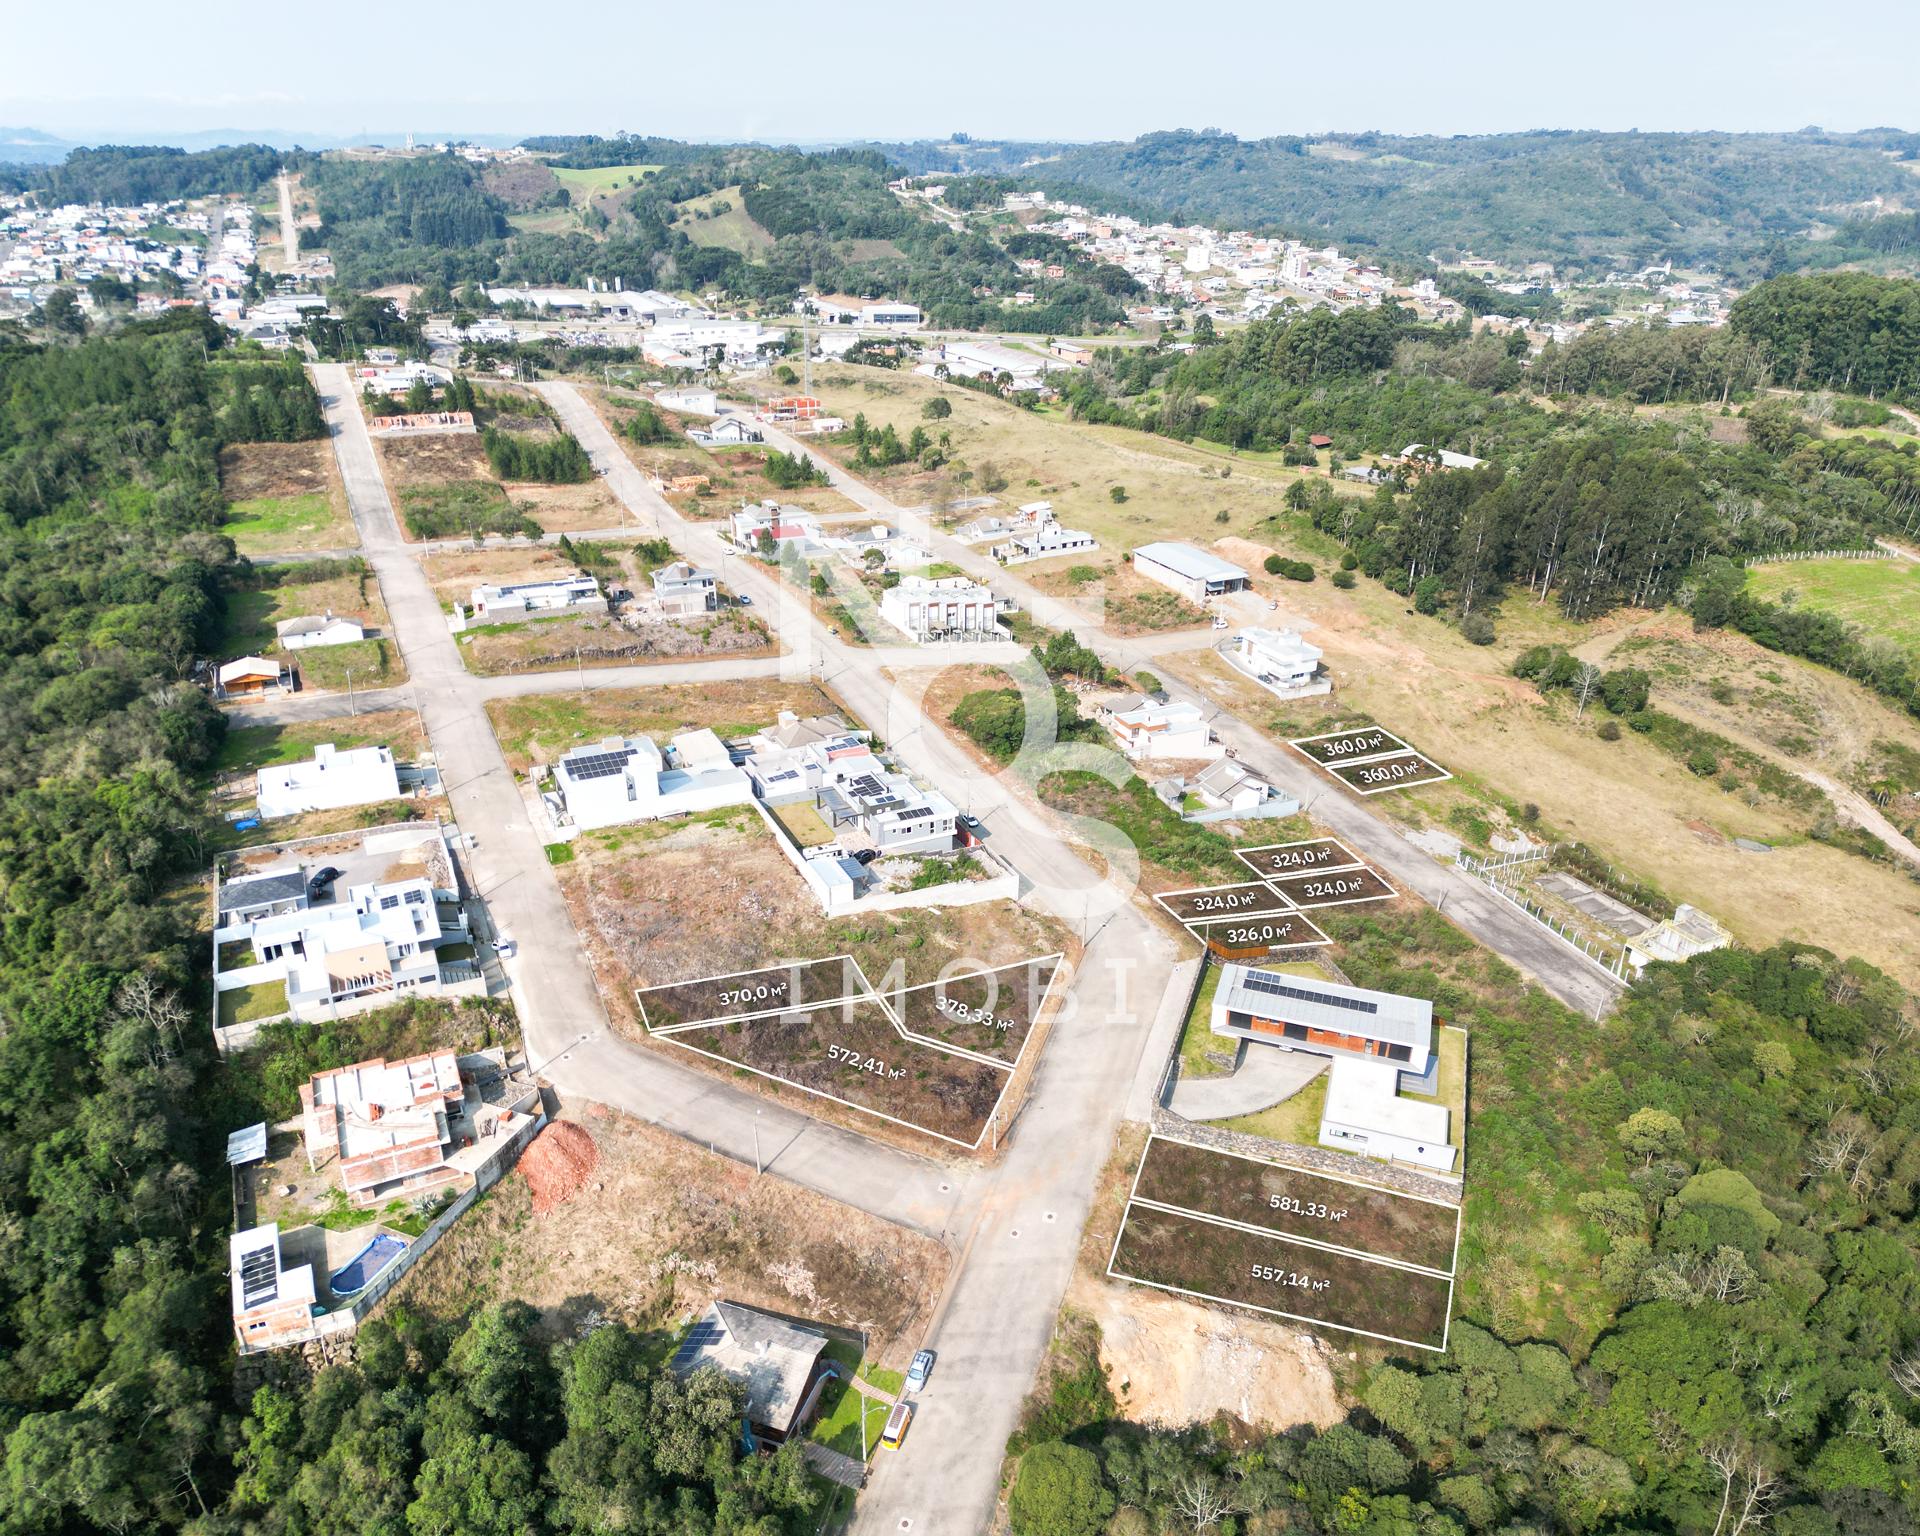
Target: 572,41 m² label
862, 1062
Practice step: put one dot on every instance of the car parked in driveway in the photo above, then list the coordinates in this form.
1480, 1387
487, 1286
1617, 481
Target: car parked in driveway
919, 1370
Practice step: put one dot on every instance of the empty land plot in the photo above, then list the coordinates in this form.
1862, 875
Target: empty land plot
1339, 889
853, 1053
1355, 746
537, 728
745, 994
285, 498
1223, 903
988, 1012
432, 460
1274, 1274
583, 184
579, 508
464, 509
1881, 596
1292, 1202
1403, 770
1313, 855
1283, 930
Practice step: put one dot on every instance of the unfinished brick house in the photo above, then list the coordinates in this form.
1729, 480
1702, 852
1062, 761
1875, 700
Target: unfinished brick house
386, 1128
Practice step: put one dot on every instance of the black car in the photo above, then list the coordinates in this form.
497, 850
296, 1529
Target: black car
320, 881
866, 855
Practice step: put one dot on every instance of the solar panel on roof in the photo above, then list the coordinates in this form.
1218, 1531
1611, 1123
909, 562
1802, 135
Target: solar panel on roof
601, 765
866, 784
1262, 981
259, 1278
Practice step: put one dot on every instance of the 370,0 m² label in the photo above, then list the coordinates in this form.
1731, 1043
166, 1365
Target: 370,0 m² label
765, 992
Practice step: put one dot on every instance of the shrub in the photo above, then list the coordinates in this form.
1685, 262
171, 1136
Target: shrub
1118, 493
1625, 690
1059, 1493
1272, 565
1608, 730
1529, 813
939, 408
1344, 580
1080, 575
1703, 762
1477, 627
785, 375
1426, 594
1349, 561
1147, 682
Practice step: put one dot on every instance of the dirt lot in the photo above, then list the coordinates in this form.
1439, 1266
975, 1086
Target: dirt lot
454, 573
662, 1229
285, 498
432, 460
1176, 1362
549, 644
1122, 601
569, 508
1294, 1203
248, 470
1635, 804
539, 728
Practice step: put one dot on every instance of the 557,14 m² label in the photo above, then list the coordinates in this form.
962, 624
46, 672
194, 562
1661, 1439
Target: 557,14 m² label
1288, 1277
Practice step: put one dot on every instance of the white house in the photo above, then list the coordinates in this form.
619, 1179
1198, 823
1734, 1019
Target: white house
1046, 542
689, 402
537, 600
947, 608
328, 781
1226, 786
1376, 1043
822, 761
682, 589
311, 630
1146, 730
784, 525
1416, 452
728, 432
1279, 661
1191, 572
628, 778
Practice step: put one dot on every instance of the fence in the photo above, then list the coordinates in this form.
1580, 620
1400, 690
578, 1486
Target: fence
1487, 872
1872, 552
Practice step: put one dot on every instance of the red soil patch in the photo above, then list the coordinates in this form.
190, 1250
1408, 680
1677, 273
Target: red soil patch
557, 1164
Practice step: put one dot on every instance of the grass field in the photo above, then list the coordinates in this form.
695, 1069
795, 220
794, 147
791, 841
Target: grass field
1881, 596
583, 185
537, 728
734, 230
261, 746
374, 662
247, 1005
270, 525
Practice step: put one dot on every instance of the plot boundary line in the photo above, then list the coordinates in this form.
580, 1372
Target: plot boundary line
1391, 893
1213, 1219
878, 1114
1441, 775
1297, 1317
1293, 912
1244, 856
1274, 1162
900, 1023
639, 994
1163, 897
1299, 744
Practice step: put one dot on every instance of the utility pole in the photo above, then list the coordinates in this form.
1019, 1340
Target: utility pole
580, 667
353, 707
758, 1169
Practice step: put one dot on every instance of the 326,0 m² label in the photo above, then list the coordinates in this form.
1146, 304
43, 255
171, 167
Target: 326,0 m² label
1272, 932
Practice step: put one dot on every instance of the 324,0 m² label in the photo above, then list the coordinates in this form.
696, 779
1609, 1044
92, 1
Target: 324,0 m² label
1224, 901
1291, 1277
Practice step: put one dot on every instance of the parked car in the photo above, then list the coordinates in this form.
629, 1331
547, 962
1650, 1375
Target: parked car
897, 1422
919, 1370
743, 601
320, 881
866, 855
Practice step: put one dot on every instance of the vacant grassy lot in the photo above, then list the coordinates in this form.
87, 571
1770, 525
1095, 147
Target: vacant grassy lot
1279, 1276
990, 1012
733, 229
582, 185
1294, 1203
284, 498
539, 728
544, 645
457, 509
432, 460
1881, 596
663, 1228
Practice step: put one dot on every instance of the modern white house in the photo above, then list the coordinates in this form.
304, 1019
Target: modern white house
1191, 572
527, 600
682, 589
1415, 453
1145, 729
327, 781
727, 432
945, 608
628, 778
1045, 542
1227, 789
1279, 661
1377, 1045
311, 630
823, 762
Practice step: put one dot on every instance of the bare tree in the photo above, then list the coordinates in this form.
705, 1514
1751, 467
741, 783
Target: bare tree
1906, 1374
1204, 1501
1585, 681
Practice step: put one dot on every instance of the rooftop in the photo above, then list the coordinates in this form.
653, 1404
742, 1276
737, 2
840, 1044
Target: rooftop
1196, 564
1327, 1005
772, 1358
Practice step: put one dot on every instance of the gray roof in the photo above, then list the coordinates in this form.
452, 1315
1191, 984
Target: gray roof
1224, 776
262, 890
772, 1358
1195, 564
248, 1145
1319, 1004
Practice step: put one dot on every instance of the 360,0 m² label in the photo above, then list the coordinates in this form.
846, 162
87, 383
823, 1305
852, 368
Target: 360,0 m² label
1401, 771
1349, 746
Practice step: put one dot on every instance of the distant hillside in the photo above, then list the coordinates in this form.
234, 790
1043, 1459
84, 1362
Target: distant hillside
1573, 198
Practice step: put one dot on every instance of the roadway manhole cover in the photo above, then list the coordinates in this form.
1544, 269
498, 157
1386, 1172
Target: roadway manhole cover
1049, 1216
945, 1187
906, 1525
1016, 1231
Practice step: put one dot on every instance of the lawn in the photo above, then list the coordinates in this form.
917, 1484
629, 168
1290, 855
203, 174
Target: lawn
838, 1426
1296, 1119
248, 747
584, 185
248, 1005
1881, 596
804, 823
541, 727
272, 525
1197, 1038
1451, 1088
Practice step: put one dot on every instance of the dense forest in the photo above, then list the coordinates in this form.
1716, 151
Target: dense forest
1693, 1304
1575, 198
150, 174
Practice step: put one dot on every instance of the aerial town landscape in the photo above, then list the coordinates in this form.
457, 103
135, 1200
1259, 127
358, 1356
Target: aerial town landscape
831, 827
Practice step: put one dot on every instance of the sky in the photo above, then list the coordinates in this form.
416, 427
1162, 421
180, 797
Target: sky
1074, 69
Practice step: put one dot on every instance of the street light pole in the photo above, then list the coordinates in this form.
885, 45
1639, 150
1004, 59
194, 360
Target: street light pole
757, 1167
353, 707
